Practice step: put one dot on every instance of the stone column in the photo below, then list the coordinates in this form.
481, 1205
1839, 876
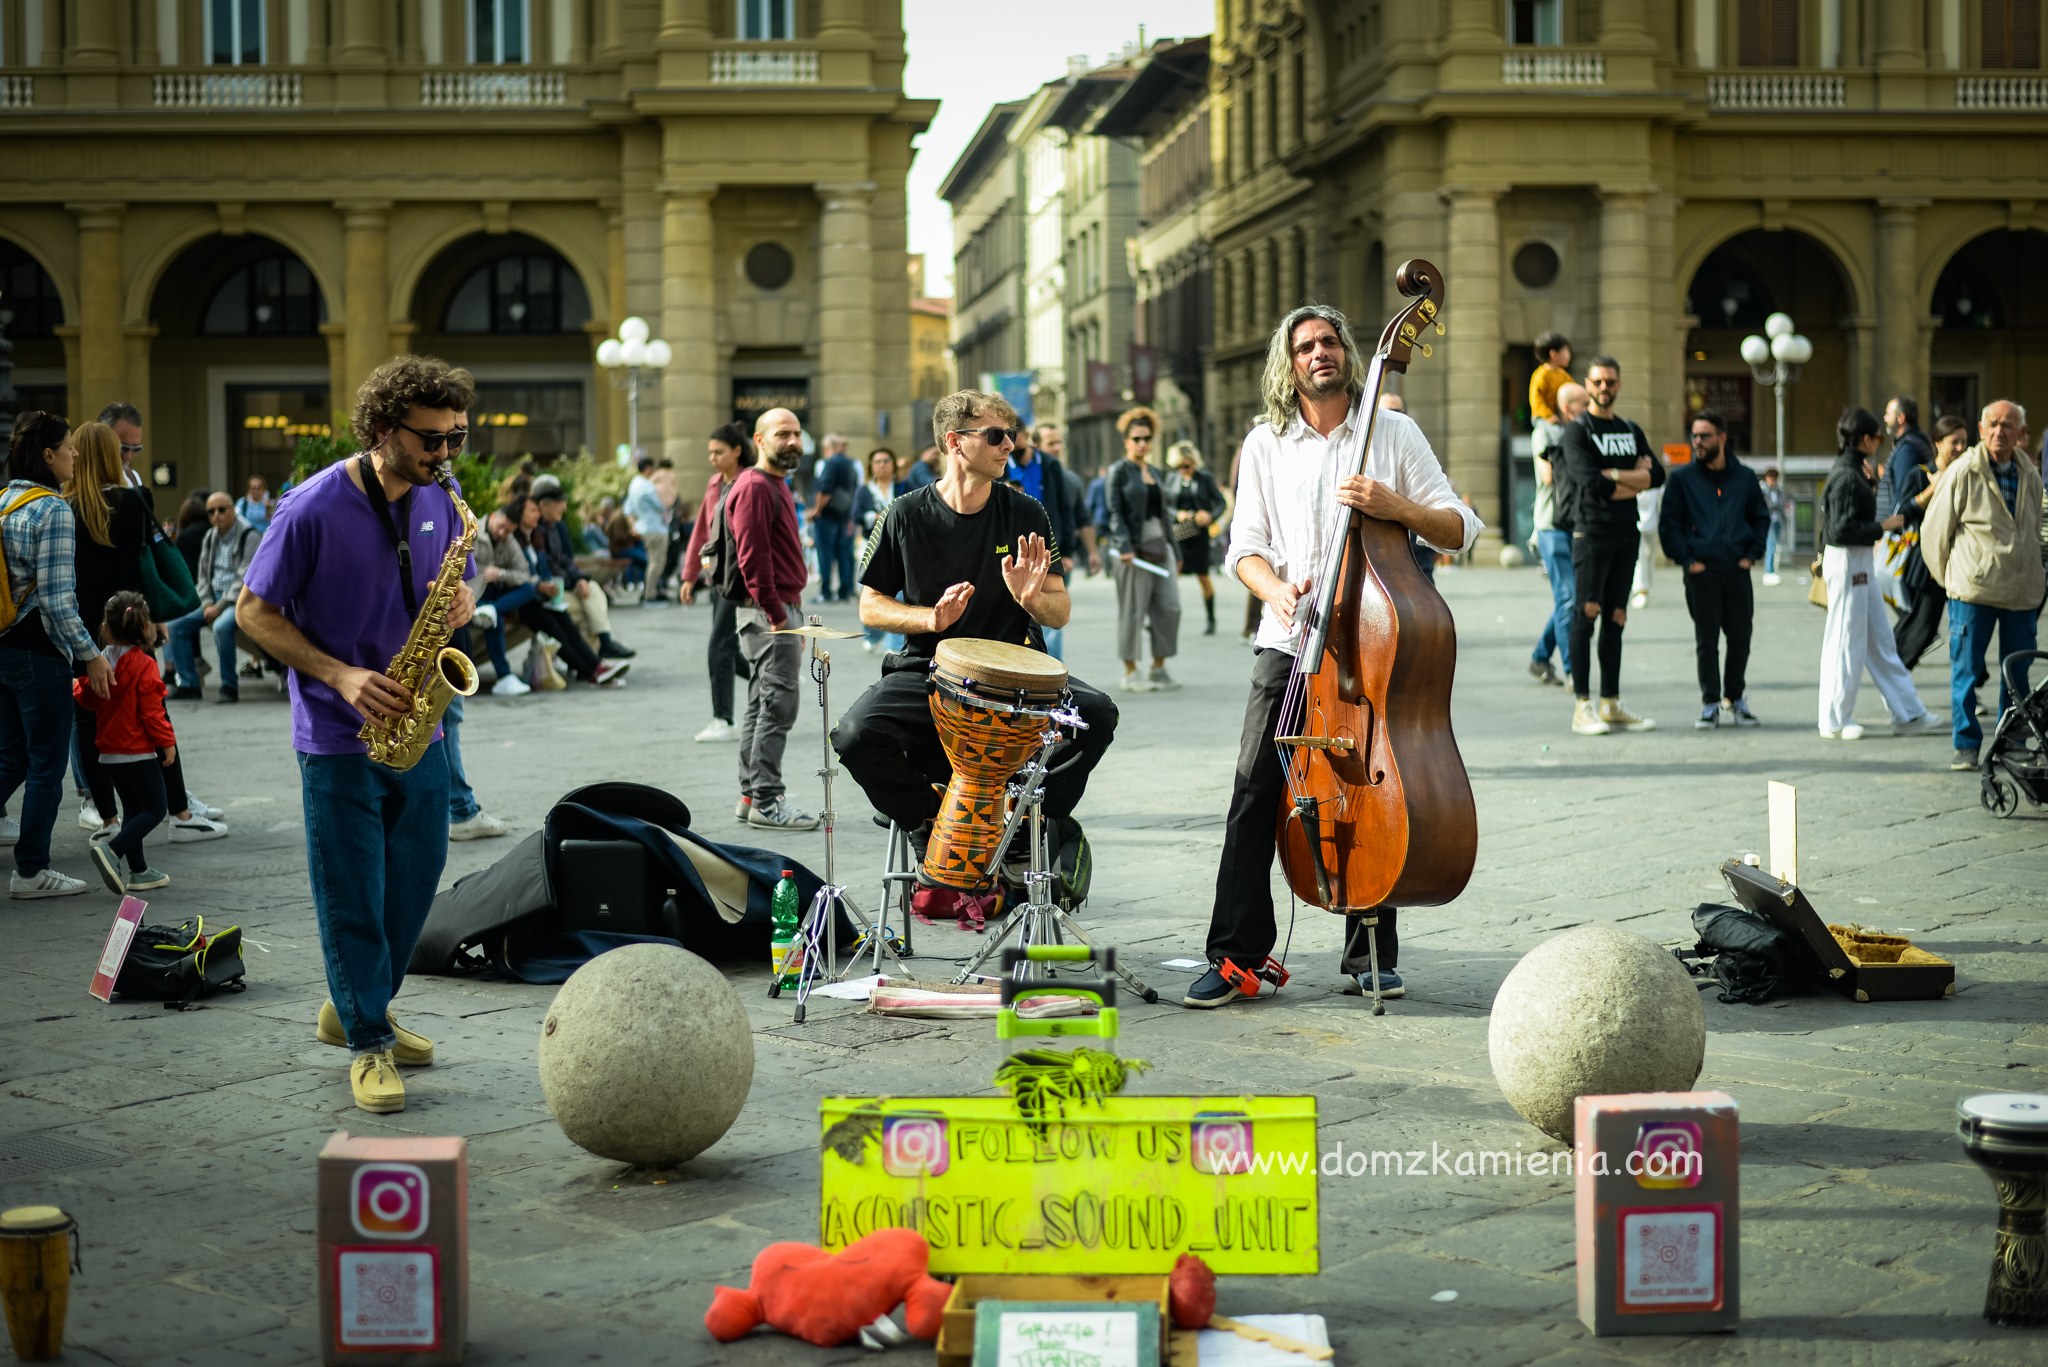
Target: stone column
316, 32
341, 389
412, 21
1899, 306
689, 405
1664, 411
1469, 444
102, 350
845, 382
1287, 243
843, 19
1900, 26
1261, 315
1626, 44
364, 39
53, 34
135, 342
92, 36
579, 32
1624, 331
684, 21
366, 288
1414, 226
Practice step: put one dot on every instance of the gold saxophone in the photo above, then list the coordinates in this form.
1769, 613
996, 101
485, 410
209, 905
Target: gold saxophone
426, 665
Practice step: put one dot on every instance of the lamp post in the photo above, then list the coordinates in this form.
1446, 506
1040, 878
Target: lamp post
633, 351
1775, 359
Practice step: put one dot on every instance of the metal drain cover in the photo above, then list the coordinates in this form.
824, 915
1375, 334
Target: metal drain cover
855, 1030
24, 1155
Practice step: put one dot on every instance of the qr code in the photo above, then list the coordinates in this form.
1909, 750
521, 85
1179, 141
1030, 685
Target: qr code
386, 1297
1670, 1258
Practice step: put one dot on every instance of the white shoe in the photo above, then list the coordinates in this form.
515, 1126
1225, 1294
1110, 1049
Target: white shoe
194, 828
1850, 732
1921, 725
485, 617
511, 686
1135, 682
1639, 600
201, 807
1772, 581
10, 830
717, 730
89, 817
776, 814
48, 883
482, 826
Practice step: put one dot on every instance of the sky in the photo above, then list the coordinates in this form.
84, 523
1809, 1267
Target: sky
971, 55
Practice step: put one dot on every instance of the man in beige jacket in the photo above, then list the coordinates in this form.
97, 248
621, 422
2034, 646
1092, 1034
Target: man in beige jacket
1982, 539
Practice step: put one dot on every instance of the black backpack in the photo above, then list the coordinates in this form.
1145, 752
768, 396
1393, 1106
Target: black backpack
177, 965
722, 558
1751, 959
1564, 501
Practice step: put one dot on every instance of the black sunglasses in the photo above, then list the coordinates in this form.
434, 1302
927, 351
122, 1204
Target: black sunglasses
994, 436
131, 448
433, 441
1705, 436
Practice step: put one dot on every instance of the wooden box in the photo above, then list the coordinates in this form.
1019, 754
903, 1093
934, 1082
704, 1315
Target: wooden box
1856, 963
956, 1333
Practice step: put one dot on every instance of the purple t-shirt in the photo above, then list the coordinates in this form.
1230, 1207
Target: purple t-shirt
333, 571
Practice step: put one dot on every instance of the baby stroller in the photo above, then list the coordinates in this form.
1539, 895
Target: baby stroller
2017, 761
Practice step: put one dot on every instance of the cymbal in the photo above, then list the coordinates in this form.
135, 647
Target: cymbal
817, 631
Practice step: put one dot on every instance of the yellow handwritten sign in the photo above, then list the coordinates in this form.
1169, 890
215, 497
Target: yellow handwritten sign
1124, 1187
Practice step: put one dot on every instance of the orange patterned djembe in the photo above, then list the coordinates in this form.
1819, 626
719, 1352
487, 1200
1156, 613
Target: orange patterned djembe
992, 703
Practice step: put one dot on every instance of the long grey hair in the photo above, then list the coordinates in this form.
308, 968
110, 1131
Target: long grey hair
1277, 388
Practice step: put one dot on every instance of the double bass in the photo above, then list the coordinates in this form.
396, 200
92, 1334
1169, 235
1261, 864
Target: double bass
1378, 810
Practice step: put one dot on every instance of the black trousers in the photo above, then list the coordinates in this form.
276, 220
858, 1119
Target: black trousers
85, 727
1241, 924
890, 746
1722, 603
1922, 623
575, 651
1604, 566
723, 653
141, 786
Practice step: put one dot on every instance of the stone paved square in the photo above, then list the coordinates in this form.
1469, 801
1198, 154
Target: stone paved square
184, 1143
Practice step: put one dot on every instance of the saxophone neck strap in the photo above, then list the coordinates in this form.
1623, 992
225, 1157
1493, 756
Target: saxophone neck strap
373, 489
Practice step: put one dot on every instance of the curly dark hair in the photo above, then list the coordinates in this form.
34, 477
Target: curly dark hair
735, 436
402, 384
36, 434
127, 620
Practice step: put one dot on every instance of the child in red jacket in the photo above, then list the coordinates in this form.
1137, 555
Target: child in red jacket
135, 742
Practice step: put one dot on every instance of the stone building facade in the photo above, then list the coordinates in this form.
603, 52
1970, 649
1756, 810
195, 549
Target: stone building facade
230, 214
1651, 179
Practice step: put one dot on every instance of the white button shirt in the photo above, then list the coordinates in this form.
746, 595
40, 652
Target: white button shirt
1287, 496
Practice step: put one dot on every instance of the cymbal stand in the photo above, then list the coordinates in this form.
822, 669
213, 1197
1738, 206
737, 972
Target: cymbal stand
1039, 919
819, 931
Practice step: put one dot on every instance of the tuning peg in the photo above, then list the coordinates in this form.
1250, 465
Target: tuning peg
1439, 329
1426, 352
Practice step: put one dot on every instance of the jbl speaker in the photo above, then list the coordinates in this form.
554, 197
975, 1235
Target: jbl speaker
614, 885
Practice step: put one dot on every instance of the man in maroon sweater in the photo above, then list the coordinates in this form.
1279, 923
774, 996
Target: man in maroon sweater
762, 514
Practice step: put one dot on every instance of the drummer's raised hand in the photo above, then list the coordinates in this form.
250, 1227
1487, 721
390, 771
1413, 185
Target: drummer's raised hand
951, 604
1025, 568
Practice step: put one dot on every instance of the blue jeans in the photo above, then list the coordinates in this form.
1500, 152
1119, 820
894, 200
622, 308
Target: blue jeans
185, 646
376, 841
1555, 549
1771, 548
507, 604
462, 803
1055, 641
835, 548
35, 737
635, 571
1969, 641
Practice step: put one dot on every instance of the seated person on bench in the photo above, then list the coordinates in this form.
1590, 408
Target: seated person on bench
972, 557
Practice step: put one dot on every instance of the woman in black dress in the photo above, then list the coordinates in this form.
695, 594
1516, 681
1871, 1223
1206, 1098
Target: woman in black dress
1196, 504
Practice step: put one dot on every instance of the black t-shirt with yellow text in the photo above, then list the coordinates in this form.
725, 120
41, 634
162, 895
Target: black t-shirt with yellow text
920, 548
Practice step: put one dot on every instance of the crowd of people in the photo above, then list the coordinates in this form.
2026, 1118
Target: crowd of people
1945, 531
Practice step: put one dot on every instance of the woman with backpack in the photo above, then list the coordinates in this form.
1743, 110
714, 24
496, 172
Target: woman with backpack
42, 640
730, 452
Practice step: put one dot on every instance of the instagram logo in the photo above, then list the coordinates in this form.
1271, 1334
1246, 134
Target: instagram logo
1221, 1142
914, 1146
1669, 1154
390, 1201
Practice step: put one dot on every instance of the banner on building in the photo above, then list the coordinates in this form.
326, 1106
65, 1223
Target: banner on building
1015, 387
1103, 394
1144, 373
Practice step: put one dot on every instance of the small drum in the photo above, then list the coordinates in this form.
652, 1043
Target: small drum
36, 1255
991, 702
2006, 1134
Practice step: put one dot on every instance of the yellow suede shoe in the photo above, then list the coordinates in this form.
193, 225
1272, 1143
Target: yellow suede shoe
375, 1081
412, 1050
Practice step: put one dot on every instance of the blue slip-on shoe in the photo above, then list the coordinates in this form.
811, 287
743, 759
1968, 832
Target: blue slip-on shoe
1390, 984
1210, 990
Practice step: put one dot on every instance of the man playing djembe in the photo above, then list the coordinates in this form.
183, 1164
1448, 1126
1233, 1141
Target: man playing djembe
971, 558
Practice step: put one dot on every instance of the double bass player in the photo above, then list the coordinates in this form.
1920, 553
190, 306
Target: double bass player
1292, 485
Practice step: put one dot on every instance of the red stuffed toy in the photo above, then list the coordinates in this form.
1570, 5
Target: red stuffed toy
828, 1298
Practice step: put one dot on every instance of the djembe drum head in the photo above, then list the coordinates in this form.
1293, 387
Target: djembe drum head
998, 671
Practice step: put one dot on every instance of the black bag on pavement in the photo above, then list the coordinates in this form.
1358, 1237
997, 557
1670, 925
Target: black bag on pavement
177, 965
1751, 959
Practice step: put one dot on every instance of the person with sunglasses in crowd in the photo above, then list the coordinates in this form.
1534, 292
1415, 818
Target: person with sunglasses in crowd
972, 556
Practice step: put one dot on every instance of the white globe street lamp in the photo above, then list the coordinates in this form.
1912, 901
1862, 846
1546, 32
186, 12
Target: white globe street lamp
633, 351
1775, 359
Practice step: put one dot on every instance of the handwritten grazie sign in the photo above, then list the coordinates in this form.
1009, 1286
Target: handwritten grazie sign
1124, 1187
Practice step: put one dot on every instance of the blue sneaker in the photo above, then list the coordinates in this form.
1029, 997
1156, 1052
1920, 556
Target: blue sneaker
1210, 990
1390, 984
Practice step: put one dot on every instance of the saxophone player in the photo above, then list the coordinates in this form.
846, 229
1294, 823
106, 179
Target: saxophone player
333, 593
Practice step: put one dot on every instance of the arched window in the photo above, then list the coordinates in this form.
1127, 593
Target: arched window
520, 295
29, 295
272, 296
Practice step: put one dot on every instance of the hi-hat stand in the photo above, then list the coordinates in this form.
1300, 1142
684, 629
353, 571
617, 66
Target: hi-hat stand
819, 932
1039, 919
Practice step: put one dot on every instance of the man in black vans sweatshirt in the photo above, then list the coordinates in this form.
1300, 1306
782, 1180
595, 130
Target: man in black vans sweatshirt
1714, 523
1609, 463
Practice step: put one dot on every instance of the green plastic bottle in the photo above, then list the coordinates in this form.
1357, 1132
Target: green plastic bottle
785, 950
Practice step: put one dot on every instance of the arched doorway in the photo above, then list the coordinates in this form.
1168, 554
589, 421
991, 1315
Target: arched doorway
30, 313
513, 311
1742, 282
239, 370
1992, 338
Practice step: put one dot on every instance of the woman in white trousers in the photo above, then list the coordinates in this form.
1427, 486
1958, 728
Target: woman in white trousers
1858, 634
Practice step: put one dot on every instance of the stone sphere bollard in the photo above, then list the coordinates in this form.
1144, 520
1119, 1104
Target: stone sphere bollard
1513, 557
646, 1055
1593, 1012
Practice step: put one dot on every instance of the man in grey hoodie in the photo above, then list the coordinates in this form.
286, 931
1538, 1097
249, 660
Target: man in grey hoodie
223, 559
